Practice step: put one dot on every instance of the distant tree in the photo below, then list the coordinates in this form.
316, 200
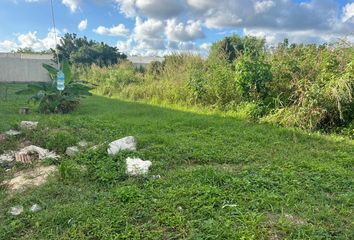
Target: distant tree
32, 51
233, 46
80, 50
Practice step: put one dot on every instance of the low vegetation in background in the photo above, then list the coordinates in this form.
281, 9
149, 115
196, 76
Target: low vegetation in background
50, 99
294, 85
212, 176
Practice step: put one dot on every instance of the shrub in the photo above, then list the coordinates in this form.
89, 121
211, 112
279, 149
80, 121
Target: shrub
252, 75
112, 79
154, 69
230, 48
221, 90
313, 86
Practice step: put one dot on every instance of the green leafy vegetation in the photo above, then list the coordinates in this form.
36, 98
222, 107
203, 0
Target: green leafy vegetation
305, 86
80, 50
50, 99
220, 177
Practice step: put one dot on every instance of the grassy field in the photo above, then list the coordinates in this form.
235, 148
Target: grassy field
221, 178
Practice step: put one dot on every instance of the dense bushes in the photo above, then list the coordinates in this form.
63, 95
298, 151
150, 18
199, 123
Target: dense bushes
313, 85
306, 86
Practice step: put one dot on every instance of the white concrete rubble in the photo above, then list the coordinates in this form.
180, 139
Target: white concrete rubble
16, 210
72, 151
136, 166
7, 157
28, 125
83, 144
12, 133
24, 155
127, 143
35, 208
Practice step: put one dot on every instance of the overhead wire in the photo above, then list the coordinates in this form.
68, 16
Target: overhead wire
55, 32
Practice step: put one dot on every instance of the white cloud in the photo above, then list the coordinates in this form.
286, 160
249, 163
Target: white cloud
205, 46
273, 37
183, 32
73, 5
127, 7
7, 46
149, 29
119, 30
82, 25
263, 6
348, 12
160, 9
30, 40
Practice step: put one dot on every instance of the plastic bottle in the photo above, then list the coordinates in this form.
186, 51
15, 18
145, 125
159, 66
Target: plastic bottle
60, 81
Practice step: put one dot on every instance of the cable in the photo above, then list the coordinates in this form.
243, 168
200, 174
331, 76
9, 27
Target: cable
55, 32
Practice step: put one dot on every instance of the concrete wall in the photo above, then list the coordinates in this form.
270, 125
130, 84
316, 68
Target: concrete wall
16, 67
143, 61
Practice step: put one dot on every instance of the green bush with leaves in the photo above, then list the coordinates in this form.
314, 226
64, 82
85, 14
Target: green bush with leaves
253, 75
312, 85
50, 99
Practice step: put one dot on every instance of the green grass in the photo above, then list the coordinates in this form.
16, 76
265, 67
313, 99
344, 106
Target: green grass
221, 178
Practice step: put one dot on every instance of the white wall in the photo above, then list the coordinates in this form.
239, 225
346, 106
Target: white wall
16, 67
143, 61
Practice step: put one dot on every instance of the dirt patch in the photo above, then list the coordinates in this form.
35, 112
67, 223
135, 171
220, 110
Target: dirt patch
274, 220
273, 236
294, 219
33, 177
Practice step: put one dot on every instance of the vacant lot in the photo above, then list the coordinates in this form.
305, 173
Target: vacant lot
213, 177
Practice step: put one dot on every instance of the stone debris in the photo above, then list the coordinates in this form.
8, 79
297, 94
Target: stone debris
12, 133
16, 210
7, 157
136, 166
33, 177
30, 153
35, 208
28, 125
95, 147
127, 143
83, 144
7, 160
72, 151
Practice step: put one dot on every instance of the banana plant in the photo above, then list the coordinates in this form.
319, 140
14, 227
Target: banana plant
52, 100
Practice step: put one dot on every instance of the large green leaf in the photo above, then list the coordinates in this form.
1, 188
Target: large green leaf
65, 66
33, 88
51, 70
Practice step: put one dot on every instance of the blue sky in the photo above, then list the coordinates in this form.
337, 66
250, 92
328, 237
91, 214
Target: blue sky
156, 27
